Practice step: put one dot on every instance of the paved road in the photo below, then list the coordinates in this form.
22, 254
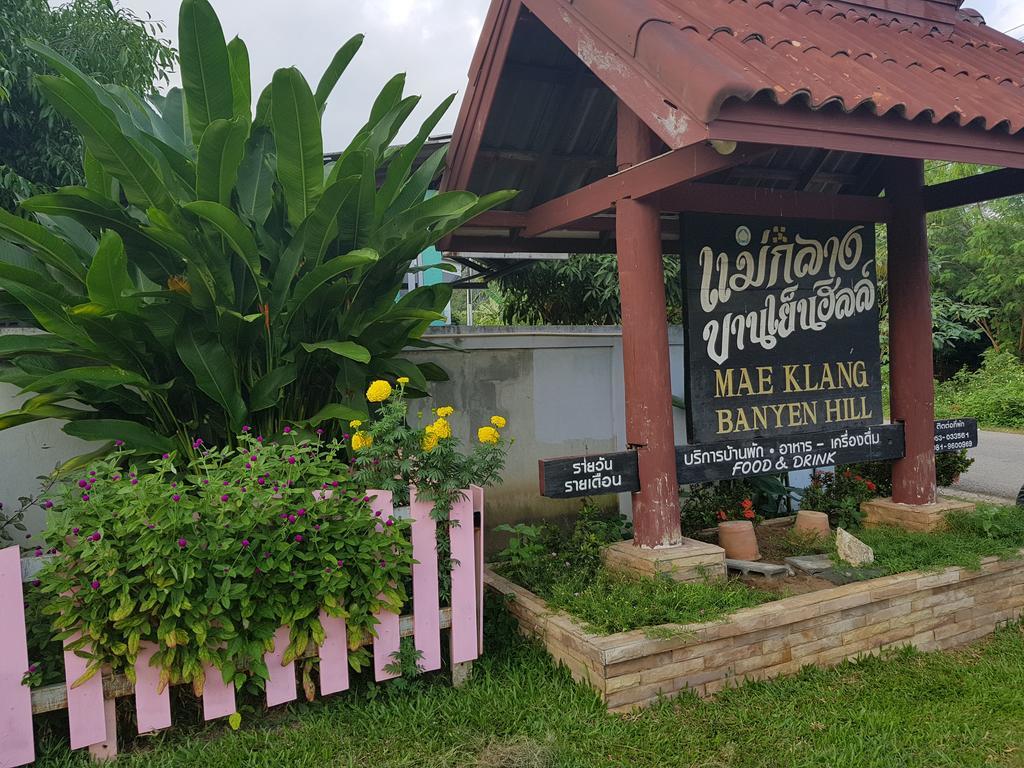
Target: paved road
999, 466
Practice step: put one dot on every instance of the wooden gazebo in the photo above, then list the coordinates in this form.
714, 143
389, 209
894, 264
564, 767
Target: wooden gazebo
613, 116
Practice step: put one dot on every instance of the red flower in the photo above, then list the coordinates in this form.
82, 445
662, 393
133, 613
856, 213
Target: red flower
749, 514
748, 504
722, 515
872, 487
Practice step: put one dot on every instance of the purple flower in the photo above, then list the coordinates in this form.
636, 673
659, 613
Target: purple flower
383, 564
96, 536
47, 504
316, 527
226, 483
346, 436
259, 570
334, 484
252, 458
377, 513
341, 563
176, 497
182, 543
266, 555
93, 473
95, 584
135, 481
291, 518
287, 430
298, 538
248, 465
259, 439
83, 483
366, 499
151, 526
36, 582
32, 668
390, 523
118, 443
197, 443
245, 543
115, 478
38, 552
166, 456
301, 513
246, 428
174, 485
291, 459
85, 497
320, 432
76, 531
225, 497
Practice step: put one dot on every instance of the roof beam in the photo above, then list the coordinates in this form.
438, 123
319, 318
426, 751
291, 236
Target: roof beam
756, 201
642, 180
974, 189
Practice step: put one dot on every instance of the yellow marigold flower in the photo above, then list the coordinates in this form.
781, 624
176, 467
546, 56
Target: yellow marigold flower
429, 441
378, 392
498, 421
403, 380
441, 428
445, 412
355, 424
361, 440
488, 435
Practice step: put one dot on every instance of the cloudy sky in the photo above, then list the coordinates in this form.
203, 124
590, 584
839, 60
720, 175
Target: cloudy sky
431, 40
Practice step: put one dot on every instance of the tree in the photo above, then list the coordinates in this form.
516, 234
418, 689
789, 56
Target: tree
39, 149
210, 274
581, 291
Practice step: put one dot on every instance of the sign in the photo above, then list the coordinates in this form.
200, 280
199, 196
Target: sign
782, 327
775, 455
573, 478
955, 435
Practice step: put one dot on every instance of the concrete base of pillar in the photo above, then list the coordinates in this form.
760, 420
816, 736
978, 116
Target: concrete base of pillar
911, 517
690, 561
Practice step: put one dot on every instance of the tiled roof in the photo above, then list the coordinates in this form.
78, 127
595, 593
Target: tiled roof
914, 58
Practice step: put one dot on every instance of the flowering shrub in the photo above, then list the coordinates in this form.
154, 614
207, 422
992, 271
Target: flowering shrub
208, 561
839, 495
744, 511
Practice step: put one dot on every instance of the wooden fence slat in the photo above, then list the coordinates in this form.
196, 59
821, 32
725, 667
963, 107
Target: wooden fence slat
107, 749
333, 656
152, 708
281, 687
86, 717
16, 740
389, 634
218, 696
425, 589
478, 509
464, 632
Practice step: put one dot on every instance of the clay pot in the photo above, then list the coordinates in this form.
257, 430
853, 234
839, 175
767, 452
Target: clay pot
811, 523
738, 539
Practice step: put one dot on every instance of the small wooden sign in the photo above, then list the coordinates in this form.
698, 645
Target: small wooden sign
573, 478
952, 435
776, 455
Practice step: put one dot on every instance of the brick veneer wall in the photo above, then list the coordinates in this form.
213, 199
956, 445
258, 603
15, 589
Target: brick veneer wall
930, 611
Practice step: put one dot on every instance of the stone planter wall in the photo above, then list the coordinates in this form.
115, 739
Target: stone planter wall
930, 611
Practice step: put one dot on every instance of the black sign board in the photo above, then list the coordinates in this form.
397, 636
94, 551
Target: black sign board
775, 455
782, 327
573, 478
954, 435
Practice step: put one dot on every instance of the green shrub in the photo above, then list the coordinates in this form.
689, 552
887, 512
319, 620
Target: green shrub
948, 468
703, 503
994, 394
839, 495
211, 273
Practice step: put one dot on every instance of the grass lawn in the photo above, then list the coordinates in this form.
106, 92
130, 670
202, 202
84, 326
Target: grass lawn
909, 710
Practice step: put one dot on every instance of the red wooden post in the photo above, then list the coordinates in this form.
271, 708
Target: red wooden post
645, 355
910, 332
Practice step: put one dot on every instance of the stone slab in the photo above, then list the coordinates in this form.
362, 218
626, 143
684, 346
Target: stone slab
690, 561
852, 550
768, 570
849, 575
812, 564
911, 517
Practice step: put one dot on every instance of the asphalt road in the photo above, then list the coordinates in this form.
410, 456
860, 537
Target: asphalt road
999, 466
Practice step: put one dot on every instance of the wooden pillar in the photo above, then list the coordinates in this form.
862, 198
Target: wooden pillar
910, 332
645, 352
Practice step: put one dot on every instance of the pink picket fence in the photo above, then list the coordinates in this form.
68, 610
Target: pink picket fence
90, 706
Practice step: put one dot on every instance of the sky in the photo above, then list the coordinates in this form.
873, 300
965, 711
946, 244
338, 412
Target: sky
430, 40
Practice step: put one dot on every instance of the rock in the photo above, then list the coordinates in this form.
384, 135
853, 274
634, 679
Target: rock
852, 550
811, 564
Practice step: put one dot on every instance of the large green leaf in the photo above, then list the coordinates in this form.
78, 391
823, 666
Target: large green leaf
102, 376
416, 187
48, 311
336, 69
220, 155
241, 79
233, 230
18, 418
325, 272
108, 279
205, 67
335, 412
267, 391
355, 220
256, 176
346, 349
137, 437
12, 345
213, 369
122, 157
300, 150
44, 245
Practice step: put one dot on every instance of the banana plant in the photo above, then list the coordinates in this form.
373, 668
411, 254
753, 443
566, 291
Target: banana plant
213, 273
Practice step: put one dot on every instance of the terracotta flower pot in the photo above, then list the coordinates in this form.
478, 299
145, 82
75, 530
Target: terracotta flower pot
812, 524
738, 539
